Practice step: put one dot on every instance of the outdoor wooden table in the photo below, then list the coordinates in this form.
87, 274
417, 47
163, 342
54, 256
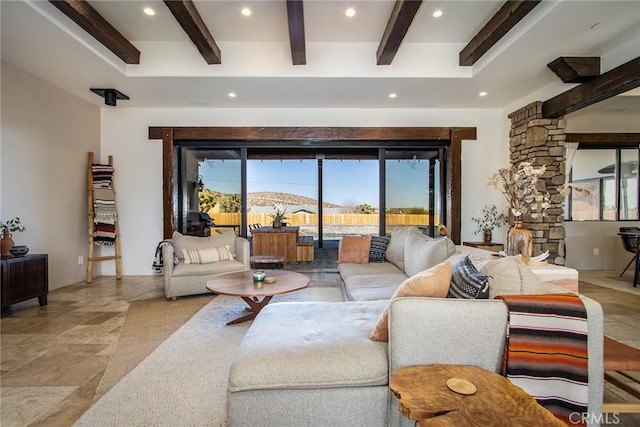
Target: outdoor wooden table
425, 397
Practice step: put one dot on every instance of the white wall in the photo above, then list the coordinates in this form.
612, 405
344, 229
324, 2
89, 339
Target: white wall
138, 161
46, 135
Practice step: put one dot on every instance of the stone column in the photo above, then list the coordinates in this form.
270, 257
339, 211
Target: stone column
542, 142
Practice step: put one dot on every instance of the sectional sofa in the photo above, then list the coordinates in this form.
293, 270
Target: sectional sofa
314, 363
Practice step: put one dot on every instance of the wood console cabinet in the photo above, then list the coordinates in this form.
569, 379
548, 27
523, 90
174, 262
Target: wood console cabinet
493, 247
24, 278
276, 241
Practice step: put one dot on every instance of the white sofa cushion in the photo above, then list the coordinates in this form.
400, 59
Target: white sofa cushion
309, 345
395, 248
370, 287
509, 276
422, 252
184, 270
348, 270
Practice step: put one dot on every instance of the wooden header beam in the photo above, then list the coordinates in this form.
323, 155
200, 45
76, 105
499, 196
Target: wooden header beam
263, 134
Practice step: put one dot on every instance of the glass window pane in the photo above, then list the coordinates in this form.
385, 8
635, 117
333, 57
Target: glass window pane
590, 169
221, 193
629, 184
208, 190
407, 191
351, 195
291, 183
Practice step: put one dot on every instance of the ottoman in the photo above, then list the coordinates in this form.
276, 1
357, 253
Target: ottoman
311, 363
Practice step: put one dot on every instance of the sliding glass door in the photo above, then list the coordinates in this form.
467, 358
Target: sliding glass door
412, 193
327, 194
209, 191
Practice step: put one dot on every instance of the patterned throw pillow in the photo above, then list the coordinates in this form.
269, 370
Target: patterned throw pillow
467, 282
378, 248
207, 255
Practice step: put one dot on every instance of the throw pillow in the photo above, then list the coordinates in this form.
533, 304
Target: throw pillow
467, 282
378, 248
422, 252
433, 282
355, 249
509, 276
207, 255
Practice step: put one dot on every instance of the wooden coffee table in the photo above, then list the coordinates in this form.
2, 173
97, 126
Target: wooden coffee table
241, 284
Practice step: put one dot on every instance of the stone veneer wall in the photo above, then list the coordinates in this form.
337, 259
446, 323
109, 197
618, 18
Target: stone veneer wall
542, 141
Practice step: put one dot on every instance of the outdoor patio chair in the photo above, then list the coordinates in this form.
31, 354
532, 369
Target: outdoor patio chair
630, 243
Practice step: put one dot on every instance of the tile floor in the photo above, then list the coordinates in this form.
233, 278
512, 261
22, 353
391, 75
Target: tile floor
52, 357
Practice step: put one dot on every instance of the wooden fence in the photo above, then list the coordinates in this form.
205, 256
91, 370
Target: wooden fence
298, 219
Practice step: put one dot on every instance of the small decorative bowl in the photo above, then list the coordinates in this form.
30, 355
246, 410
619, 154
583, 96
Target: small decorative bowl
19, 251
259, 275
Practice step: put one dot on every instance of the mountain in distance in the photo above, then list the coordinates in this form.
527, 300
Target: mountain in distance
270, 198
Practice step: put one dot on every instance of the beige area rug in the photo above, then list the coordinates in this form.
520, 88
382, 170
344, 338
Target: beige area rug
148, 324
183, 382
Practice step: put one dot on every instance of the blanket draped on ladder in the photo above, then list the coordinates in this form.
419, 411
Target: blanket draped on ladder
104, 206
546, 351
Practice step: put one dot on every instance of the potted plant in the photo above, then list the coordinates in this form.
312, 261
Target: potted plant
6, 228
278, 216
489, 220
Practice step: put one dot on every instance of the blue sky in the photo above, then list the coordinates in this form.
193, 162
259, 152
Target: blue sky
345, 182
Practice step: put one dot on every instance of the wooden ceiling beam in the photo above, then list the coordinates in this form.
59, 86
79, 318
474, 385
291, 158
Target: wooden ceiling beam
500, 24
191, 22
85, 16
399, 22
612, 83
575, 69
295, 16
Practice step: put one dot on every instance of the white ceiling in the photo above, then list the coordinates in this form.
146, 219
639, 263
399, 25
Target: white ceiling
341, 70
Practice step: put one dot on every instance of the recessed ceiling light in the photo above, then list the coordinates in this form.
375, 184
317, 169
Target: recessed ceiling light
246, 11
232, 94
483, 94
393, 95
350, 12
149, 11
437, 14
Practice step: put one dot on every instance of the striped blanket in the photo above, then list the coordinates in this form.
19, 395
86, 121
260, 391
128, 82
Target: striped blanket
546, 351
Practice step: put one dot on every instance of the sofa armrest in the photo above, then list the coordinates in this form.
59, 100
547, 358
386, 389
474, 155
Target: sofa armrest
424, 331
243, 251
167, 260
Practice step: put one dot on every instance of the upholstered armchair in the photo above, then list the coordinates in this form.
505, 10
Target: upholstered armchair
201, 259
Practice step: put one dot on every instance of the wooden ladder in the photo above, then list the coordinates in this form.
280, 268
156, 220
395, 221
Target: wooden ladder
91, 227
